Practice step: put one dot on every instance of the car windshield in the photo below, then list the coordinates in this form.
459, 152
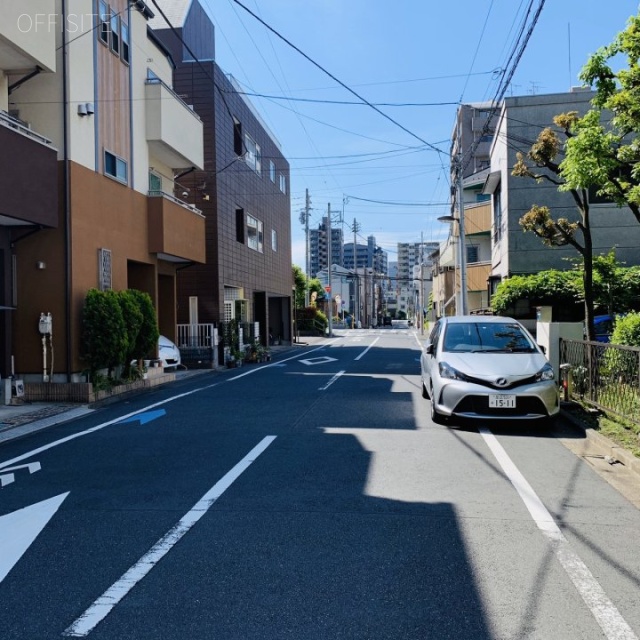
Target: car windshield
494, 337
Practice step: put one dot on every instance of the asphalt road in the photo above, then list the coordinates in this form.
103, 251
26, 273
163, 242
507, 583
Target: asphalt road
311, 498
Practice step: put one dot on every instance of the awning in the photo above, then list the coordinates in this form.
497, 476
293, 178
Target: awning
492, 181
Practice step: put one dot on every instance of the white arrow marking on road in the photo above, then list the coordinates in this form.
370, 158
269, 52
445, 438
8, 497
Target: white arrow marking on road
20, 528
320, 360
8, 478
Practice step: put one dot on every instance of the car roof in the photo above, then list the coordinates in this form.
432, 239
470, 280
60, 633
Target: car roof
477, 319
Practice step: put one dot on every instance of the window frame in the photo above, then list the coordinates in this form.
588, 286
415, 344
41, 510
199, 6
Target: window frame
114, 41
283, 183
255, 235
104, 22
125, 49
253, 154
118, 163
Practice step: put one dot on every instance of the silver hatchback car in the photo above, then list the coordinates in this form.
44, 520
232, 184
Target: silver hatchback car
487, 367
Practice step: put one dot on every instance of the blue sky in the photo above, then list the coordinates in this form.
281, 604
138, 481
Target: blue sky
395, 52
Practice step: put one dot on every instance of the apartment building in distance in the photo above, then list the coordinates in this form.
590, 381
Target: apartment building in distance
366, 255
242, 190
93, 136
320, 244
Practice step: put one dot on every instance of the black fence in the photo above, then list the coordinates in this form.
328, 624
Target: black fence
604, 375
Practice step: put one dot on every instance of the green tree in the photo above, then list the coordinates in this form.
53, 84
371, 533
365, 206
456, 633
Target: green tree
104, 332
300, 284
132, 316
556, 232
147, 338
551, 288
604, 152
315, 286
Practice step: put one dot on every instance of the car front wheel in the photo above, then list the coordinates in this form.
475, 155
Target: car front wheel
437, 417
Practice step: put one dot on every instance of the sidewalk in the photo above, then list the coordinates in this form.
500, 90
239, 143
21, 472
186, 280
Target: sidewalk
23, 419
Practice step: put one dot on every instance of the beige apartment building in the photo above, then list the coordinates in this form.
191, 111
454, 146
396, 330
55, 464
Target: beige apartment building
94, 141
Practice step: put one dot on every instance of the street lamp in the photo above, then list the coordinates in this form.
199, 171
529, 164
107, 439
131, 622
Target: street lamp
462, 309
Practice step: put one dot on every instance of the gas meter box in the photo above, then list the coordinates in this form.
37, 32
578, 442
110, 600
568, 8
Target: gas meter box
45, 324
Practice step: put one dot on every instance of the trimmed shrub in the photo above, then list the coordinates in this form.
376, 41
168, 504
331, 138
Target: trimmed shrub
104, 333
147, 339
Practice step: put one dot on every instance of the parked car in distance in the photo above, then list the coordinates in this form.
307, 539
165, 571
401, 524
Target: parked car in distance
386, 321
486, 367
604, 327
168, 353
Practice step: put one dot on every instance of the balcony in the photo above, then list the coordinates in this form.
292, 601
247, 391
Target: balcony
28, 36
477, 218
176, 230
477, 276
174, 131
28, 176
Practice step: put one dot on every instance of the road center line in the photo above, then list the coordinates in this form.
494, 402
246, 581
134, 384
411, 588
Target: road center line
367, 349
51, 445
101, 608
604, 611
326, 386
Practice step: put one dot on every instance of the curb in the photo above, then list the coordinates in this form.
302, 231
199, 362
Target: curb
603, 444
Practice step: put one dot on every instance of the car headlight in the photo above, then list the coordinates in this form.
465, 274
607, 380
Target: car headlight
546, 373
447, 371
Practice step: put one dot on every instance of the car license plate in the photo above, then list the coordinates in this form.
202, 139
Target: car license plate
502, 401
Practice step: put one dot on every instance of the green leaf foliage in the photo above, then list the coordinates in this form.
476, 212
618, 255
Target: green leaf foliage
547, 288
104, 331
147, 338
626, 330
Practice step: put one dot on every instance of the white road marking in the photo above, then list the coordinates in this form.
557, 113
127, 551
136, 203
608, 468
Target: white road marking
20, 528
367, 349
326, 386
51, 445
7, 478
112, 596
604, 611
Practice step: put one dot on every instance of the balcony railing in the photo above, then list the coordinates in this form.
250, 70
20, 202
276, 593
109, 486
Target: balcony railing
185, 205
22, 127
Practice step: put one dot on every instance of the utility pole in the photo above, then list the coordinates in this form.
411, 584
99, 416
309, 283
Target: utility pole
356, 298
461, 234
304, 219
329, 258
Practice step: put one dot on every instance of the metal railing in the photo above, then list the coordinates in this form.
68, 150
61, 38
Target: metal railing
157, 193
22, 127
197, 335
604, 375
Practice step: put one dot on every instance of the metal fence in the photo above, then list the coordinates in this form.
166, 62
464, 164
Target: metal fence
604, 375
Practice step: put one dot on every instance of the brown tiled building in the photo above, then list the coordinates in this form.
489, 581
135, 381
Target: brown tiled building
92, 136
243, 191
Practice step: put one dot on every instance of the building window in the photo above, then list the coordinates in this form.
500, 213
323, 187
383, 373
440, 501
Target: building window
272, 171
253, 157
115, 167
472, 254
103, 18
274, 239
240, 225
115, 32
237, 137
254, 234
155, 184
124, 34
283, 183
497, 213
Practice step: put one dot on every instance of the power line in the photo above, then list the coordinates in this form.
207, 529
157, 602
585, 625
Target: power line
349, 102
342, 84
